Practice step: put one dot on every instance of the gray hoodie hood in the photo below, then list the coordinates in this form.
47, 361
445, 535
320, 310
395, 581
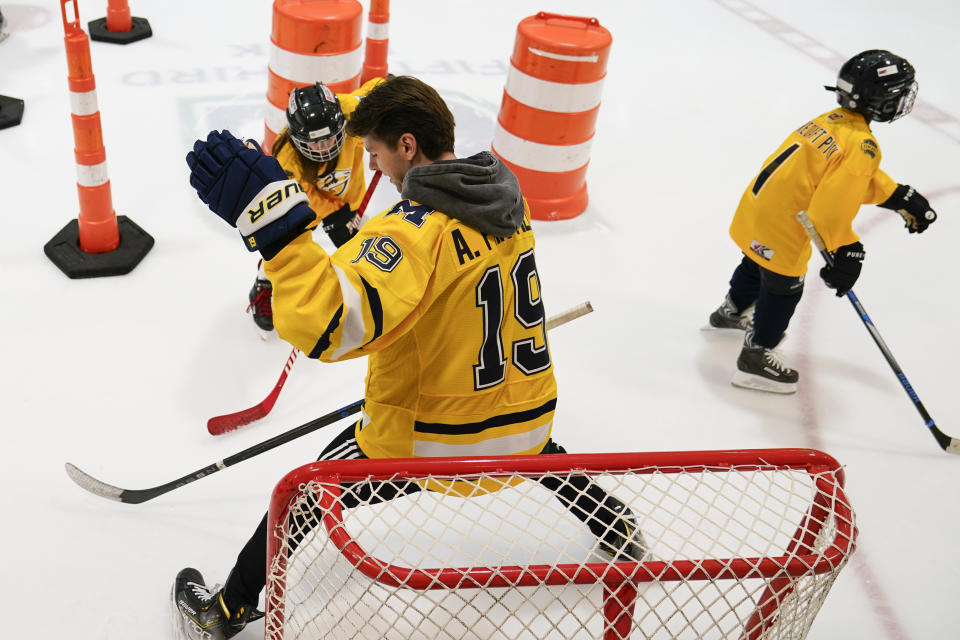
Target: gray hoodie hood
479, 191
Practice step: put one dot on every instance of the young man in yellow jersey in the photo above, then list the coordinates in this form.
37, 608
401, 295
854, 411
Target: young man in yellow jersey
315, 150
441, 292
828, 167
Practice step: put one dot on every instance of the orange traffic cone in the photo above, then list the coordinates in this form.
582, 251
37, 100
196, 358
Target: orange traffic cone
312, 41
119, 27
378, 41
98, 242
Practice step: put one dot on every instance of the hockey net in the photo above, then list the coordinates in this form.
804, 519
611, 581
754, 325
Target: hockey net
742, 544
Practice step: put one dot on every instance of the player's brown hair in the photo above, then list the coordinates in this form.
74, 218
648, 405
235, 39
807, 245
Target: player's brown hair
404, 104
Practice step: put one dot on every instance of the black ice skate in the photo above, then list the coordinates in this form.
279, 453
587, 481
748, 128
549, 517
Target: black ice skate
761, 368
199, 612
261, 295
727, 316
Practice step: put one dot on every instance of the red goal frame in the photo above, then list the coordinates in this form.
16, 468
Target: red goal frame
620, 585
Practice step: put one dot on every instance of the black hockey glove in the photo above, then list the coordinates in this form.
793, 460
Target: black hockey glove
341, 225
250, 191
912, 207
847, 262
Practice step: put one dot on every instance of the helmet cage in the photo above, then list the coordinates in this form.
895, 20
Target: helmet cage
322, 147
316, 123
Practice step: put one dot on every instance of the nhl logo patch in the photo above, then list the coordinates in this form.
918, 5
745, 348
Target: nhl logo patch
764, 252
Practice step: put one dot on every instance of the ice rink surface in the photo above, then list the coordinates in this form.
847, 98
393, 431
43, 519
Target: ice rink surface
119, 375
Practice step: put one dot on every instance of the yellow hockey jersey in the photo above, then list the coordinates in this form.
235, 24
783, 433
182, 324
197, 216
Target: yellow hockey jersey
450, 318
829, 167
338, 185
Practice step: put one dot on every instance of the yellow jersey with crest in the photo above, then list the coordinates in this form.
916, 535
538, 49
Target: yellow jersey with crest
452, 322
828, 167
341, 184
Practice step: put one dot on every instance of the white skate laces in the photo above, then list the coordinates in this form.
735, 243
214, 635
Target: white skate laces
202, 592
773, 359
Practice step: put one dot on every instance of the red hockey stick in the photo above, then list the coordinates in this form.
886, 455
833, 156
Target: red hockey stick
221, 424
218, 425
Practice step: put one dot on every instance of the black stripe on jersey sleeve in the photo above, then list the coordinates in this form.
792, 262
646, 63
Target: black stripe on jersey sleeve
376, 308
324, 342
489, 423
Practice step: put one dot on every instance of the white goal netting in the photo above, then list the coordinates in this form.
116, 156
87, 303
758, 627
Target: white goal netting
736, 544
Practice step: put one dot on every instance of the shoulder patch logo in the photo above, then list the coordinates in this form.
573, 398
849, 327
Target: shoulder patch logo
764, 252
869, 147
836, 115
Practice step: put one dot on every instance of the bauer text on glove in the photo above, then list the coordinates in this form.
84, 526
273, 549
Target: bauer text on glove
249, 190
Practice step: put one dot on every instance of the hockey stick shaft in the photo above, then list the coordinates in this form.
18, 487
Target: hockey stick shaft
136, 496
366, 196
219, 425
947, 443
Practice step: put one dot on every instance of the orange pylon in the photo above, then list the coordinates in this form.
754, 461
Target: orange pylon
97, 243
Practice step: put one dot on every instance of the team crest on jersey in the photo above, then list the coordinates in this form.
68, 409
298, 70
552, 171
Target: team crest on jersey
335, 182
836, 115
412, 212
764, 252
869, 147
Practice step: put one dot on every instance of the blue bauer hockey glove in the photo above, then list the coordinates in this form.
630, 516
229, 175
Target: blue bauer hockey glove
250, 191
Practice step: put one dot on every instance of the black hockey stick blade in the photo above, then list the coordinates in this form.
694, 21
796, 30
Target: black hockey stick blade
136, 496
948, 444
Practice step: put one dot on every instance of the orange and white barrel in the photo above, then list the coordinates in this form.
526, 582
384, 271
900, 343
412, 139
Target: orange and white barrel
549, 110
311, 41
378, 41
97, 222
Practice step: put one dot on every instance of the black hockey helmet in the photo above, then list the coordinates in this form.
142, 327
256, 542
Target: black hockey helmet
877, 84
316, 122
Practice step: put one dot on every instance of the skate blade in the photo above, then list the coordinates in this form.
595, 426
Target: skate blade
265, 336
730, 330
759, 383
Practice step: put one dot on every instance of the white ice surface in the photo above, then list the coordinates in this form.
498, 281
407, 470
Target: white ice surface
118, 375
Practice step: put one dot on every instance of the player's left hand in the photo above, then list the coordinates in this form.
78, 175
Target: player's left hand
912, 207
341, 225
249, 190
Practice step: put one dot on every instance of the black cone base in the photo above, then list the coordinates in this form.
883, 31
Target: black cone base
139, 30
65, 252
11, 111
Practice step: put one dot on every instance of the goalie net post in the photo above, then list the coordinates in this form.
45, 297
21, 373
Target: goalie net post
745, 544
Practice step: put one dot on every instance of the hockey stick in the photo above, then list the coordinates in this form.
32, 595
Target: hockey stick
948, 444
218, 425
136, 496
221, 424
